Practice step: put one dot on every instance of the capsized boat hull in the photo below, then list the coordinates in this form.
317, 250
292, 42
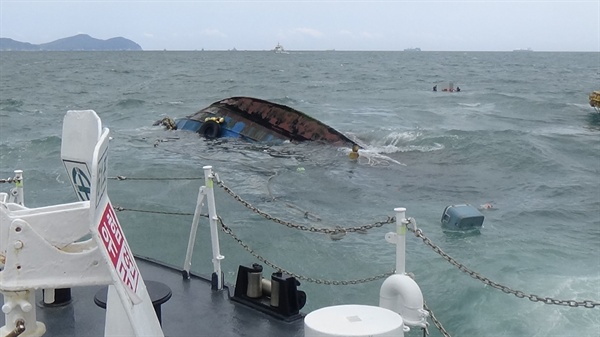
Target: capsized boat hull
261, 121
595, 100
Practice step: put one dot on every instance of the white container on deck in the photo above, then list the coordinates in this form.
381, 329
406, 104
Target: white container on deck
353, 321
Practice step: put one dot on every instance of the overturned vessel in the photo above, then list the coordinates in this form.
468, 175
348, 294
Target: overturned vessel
595, 100
257, 120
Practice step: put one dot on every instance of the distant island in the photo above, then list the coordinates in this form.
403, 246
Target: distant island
81, 42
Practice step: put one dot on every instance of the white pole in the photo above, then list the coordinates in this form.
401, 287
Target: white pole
187, 265
214, 232
400, 240
20, 199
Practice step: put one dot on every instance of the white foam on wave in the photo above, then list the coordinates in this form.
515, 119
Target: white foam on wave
370, 156
560, 320
471, 105
389, 149
395, 137
397, 142
581, 105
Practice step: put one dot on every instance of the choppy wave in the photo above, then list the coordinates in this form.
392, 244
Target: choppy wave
130, 103
405, 142
11, 104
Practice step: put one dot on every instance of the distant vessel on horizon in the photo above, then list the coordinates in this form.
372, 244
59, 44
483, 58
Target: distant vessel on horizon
412, 49
523, 50
279, 49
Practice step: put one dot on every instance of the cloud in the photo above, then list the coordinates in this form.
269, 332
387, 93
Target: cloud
309, 32
212, 32
369, 36
360, 35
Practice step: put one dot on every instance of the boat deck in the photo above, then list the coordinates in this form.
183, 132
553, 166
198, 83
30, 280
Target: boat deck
193, 310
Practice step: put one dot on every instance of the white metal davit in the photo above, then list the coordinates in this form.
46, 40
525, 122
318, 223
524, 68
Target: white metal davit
46, 247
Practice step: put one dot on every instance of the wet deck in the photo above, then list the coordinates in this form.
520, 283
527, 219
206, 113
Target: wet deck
193, 310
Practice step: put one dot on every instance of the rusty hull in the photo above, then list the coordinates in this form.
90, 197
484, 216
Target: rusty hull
262, 119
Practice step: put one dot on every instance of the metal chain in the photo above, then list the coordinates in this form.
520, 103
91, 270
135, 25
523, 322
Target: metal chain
120, 178
417, 231
485, 280
337, 230
228, 231
10, 180
436, 322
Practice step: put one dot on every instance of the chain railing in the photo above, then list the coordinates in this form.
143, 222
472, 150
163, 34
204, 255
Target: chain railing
10, 180
337, 230
228, 231
436, 322
534, 298
341, 230
411, 226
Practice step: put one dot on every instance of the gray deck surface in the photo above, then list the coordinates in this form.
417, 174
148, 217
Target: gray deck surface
193, 310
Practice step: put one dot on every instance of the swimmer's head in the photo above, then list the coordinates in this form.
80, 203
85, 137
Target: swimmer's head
354, 153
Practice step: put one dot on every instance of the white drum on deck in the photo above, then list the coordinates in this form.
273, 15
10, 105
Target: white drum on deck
353, 320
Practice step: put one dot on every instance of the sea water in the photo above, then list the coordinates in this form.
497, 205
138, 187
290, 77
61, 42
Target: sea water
520, 135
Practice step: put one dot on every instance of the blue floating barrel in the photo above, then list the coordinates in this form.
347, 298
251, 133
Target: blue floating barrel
462, 217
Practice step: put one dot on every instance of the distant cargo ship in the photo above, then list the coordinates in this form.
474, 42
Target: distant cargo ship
412, 49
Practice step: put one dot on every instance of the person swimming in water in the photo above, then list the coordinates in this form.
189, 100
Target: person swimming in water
354, 153
487, 205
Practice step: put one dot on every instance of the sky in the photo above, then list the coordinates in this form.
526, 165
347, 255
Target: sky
441, 25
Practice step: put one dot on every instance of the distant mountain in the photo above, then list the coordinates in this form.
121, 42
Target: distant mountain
10, 44
81, 42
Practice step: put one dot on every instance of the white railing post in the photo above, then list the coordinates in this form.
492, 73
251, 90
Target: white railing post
217, 277
187, 264
399, 292
18, 190
400, 240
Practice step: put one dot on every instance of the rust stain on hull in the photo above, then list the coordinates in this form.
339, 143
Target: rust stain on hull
262, 118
